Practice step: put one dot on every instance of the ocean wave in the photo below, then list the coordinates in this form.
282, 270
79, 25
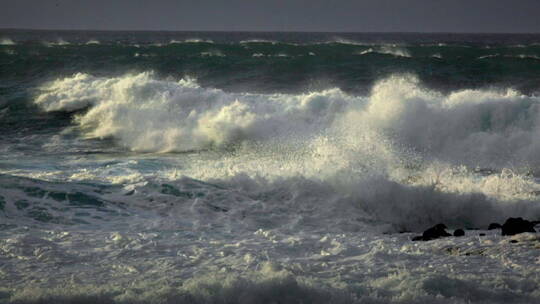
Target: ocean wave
198, 40
58, 42
387, 50
248, 41
92, 41
340, 40
6, 41
244, 241
525, 56
489, 56
440, 44
10, 52
520, 56
393, 152
166, 116
191, 40
488, 128
281, 54
213, 53
268, 285
276, 282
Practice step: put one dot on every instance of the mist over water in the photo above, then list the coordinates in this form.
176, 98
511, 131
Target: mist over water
264, 167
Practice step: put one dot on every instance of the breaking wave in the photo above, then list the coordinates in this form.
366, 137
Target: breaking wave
6, 41
146, 114
387, 50
58, 42
340, 40
487, 128
191, 40
396, 151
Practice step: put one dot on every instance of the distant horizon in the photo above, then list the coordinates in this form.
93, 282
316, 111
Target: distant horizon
260, 31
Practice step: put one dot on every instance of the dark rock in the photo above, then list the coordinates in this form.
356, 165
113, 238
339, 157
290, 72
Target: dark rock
418, 238
493, 226
432, 233
513, 241
459, 232
482, 234
435, 232
517, 225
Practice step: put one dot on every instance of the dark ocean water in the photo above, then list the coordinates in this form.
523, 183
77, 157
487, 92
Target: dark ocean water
216, 167
277, 62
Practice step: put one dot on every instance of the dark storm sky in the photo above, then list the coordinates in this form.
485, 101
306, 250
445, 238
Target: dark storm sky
275, 15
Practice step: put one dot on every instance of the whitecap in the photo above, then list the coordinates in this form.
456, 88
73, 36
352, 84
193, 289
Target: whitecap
6, 41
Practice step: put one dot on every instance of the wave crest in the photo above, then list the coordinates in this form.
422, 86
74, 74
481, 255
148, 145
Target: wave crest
6, 41
146, 114
401, 146
486, 128
387, 50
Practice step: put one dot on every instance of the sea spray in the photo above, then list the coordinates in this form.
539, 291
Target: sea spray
378, 150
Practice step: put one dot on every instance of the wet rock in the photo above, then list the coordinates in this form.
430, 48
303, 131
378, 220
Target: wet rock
493, 226
436, 231
482, 234
459, 232
432, 233
513, 241
517, 225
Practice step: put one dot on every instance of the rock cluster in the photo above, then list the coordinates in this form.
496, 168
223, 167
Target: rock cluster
517, 225
512, 226
432, 233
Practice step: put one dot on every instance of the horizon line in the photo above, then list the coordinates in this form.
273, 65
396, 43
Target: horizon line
261, 31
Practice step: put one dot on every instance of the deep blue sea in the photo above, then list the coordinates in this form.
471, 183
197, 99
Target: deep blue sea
253, 167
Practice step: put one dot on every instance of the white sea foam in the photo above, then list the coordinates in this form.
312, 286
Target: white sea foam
93, 41
258, 41
198, 40
388, 50
341, 40
525, 56
489, 56
400, 150
213, 53
184, 251
6, 41
434, 44
486, 128
521, 56
58, 42
180, 116
191, 40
